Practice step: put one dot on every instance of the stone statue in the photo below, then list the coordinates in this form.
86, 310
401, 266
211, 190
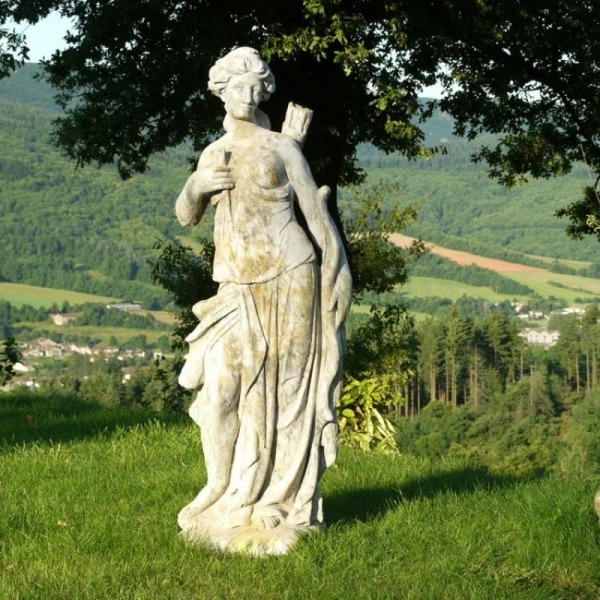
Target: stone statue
266, 355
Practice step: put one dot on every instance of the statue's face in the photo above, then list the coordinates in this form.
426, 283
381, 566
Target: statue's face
242, 96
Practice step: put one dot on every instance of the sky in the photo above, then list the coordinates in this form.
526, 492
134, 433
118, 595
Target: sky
45, 37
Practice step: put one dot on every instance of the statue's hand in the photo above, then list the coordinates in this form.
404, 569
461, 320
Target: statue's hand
341, 295
210, 180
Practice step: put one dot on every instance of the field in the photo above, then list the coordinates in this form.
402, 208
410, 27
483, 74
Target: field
99, 335
571, 288
543, 282
574, 264
18, 294
424, 287
90, 497
466, 258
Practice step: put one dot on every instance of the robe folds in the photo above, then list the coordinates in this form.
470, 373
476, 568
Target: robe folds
271, 338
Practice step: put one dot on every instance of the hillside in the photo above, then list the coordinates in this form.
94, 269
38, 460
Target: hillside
23, 88
79, 229
88, 231
490, 278
466, 258
461, 207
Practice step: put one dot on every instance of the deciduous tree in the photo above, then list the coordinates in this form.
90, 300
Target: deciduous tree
133, 77
9, 357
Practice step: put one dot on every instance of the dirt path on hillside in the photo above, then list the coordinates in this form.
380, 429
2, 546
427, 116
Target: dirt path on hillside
466, 258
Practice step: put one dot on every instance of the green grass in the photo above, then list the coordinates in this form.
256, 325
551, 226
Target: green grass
574, 285
19, 294
101, 334
424, 287
569, 288
90, 497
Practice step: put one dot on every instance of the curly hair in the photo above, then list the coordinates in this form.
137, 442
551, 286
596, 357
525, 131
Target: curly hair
237, 62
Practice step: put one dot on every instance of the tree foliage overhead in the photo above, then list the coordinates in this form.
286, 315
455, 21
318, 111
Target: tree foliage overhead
527, 71
133, 79
133, 76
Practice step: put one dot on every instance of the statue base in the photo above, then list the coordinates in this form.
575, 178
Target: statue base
247, 539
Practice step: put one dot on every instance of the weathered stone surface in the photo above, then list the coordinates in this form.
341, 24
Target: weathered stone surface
266, 354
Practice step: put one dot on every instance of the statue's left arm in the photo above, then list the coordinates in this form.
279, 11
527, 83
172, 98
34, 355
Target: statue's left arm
336, 282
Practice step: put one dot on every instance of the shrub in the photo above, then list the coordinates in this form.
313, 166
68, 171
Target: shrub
361, 414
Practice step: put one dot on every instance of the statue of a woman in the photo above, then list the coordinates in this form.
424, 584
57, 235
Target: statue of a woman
266, 355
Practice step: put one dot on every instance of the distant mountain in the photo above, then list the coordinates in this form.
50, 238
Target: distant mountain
78, 229
86, 230
25, 86
460, 207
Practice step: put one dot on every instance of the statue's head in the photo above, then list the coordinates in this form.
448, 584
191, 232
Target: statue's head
239, 62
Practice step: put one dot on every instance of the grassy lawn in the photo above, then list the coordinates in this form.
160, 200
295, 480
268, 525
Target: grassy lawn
90, 497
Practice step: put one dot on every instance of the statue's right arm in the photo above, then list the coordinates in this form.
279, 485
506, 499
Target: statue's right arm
191, 202
201, 185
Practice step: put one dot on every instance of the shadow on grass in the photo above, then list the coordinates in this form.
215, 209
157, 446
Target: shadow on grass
38, 417
371, 503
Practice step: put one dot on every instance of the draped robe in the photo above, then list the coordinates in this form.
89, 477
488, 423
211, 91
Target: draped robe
266, 339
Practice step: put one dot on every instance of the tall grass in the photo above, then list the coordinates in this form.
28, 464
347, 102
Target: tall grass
89, 502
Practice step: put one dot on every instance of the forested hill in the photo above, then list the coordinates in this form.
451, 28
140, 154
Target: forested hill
23, 88
460, 207
86, 230
80, 229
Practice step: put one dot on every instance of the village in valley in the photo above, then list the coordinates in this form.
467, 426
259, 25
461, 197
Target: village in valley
45, 350
546, 338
